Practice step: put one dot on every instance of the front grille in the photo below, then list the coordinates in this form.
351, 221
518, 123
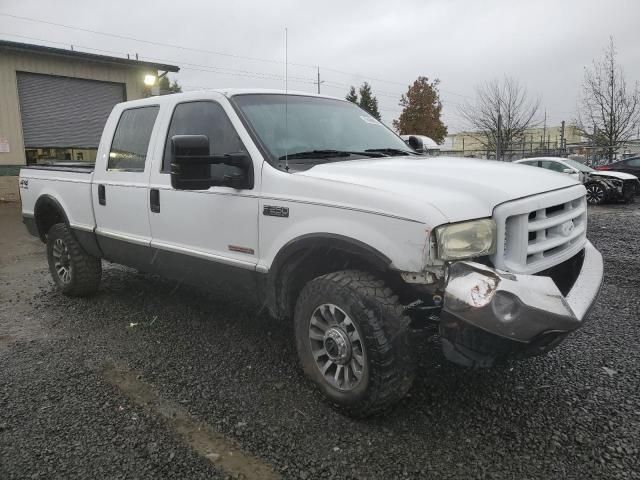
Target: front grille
538, 232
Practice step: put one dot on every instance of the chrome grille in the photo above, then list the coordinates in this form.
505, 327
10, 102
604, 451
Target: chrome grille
538, 232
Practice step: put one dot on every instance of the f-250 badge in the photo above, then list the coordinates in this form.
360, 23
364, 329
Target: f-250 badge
273, 211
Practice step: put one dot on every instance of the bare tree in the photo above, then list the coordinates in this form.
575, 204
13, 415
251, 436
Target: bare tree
507, 99
608, 114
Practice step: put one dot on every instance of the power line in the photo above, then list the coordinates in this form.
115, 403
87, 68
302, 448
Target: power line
231, 71
238, 72
190, 66
213, 52
150, 42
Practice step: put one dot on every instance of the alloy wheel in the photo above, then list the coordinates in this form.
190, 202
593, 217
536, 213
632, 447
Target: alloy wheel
337, 347
595, 194
62, 261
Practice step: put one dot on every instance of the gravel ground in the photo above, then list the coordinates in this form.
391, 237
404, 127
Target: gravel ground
196, 363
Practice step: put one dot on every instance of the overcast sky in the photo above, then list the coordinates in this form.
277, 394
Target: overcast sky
544, 44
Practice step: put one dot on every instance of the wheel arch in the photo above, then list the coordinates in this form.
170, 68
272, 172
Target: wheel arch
47, 212
311, 255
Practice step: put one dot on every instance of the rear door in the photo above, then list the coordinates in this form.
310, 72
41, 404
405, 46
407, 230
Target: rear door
120, 190
207, 237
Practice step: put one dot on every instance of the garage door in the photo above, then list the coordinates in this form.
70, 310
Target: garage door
65, 112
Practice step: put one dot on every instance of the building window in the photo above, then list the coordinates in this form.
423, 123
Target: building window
47, 155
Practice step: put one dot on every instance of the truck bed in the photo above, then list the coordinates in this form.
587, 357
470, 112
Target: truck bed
67, 184
77, 167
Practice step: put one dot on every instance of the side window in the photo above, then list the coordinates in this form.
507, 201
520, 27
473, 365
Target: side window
131, 139
203, 118
634, 162
533, 163
550, 165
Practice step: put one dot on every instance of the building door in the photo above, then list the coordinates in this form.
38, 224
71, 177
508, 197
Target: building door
63, 117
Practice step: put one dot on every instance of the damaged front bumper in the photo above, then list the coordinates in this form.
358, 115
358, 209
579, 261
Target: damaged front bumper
489, 315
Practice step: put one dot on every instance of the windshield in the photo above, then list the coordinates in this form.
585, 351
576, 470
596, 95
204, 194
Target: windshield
316, 125
577, 165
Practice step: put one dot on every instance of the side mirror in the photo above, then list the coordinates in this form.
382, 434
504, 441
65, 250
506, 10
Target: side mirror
416, 143
568, 170
194, 168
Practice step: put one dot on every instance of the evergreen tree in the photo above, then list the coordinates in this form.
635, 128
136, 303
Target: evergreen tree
422, 111
352, 96
368, 101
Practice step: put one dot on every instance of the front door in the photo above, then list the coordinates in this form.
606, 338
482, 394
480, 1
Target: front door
120, 188
204, 237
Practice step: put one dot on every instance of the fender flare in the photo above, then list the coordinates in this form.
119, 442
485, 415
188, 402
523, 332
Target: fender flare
307, 242
51, 200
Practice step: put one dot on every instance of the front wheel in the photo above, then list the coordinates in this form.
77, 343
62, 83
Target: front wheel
353, 341
74, 271
595, 194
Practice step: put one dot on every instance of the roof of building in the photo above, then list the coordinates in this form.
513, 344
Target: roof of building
89, 57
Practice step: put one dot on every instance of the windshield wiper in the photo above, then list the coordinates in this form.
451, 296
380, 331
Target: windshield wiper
391, 151
332, 153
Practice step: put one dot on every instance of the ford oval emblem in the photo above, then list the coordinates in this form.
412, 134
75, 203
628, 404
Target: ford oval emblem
567, 227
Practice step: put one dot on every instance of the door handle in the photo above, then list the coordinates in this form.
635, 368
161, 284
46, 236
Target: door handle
102, 199
154, 200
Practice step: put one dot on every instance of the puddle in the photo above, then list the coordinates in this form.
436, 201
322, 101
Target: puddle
212, 445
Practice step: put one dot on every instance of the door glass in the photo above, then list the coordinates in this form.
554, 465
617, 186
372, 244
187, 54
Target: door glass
131, 139
533, 163
634, 162
203, 118
550, 165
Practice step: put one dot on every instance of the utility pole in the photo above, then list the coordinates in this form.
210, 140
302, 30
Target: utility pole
562, 136
544, 128
319, 82
499, 137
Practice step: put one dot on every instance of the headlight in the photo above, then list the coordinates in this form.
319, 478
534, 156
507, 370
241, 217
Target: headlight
467, 239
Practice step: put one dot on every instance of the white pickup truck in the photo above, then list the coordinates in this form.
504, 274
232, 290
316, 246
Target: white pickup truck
312, 208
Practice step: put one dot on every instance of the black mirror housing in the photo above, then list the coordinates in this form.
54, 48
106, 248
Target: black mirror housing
192, 161
190, 146
416, 143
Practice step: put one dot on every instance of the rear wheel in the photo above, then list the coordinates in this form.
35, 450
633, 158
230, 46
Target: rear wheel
353, 341
595, 194
74, 271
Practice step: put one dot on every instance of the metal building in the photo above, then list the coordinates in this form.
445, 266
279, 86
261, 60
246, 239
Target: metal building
54, 102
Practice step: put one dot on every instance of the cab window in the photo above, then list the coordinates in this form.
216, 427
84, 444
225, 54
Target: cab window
131, 139
533, 163
203, 118
551, 165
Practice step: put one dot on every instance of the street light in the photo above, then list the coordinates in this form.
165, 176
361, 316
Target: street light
149, 80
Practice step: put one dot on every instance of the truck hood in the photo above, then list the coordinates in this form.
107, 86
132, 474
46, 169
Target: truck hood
460, 188
611, 174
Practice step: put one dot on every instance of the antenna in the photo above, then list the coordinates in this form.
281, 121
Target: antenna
286, 104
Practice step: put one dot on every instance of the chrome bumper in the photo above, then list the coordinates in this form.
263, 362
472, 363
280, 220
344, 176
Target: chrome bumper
488, 314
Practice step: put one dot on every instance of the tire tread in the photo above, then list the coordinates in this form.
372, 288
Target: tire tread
391, 365
87, 269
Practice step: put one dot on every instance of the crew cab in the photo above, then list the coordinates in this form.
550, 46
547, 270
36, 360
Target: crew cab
310, 207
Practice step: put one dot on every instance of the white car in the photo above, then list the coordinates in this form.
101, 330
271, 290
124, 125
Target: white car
329, 221
601, 186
